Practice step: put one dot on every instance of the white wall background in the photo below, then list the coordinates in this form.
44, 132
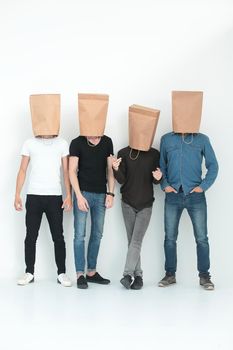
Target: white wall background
137, 52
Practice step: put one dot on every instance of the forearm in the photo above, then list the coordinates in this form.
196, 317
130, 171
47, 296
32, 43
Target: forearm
119, 176
163, 165
211, 164
20, 182
67, 183
163, 182
111, 180
210, 177
74, 182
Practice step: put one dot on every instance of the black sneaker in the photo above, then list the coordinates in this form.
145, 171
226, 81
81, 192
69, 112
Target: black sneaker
137, 283
96, 278
82, 282
126, 281
206, 283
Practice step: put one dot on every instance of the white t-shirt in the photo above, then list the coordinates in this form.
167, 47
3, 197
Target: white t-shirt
45, 160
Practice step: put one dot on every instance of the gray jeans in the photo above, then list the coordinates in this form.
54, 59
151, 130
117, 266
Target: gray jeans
136, 223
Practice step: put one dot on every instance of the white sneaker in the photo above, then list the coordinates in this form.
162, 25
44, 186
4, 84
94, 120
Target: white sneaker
25, 279
64, 280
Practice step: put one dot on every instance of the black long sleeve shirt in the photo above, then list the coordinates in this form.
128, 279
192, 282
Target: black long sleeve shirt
136, 177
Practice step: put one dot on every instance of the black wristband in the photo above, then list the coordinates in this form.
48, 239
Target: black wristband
111, 194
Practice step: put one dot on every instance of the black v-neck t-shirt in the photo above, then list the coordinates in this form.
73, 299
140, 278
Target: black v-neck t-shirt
92, 167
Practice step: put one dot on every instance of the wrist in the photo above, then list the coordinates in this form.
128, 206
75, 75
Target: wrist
79, 195
110, 194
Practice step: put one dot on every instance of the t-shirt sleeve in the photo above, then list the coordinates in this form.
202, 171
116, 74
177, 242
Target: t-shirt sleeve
25, 151
110, 148
65, 149
75, 150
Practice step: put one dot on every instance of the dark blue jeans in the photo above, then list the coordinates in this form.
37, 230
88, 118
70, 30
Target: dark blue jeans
195, 203
96, 202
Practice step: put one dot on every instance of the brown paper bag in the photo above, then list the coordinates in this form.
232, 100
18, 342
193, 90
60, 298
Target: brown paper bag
45, 113
92, 110
142, 126
186, 111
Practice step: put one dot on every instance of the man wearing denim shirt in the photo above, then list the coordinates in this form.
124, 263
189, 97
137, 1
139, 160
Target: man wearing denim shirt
181, 156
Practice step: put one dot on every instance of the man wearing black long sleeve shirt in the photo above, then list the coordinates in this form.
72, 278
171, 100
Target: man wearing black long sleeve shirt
136, 177
136, 171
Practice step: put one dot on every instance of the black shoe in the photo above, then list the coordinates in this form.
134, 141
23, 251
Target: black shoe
96, 278
206, 282
137, 283
126, 281
82, 282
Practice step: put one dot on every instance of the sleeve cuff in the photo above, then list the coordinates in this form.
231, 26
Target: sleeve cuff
204, 186
164, 184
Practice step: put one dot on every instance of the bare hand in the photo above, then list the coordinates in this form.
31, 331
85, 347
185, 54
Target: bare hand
197, 189
82, 203
109, 201
18, 204
67, 203
170, 189
157, 174
116, 163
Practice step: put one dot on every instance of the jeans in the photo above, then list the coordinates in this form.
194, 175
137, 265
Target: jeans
136, 223
195, 203
36, 205
96, 202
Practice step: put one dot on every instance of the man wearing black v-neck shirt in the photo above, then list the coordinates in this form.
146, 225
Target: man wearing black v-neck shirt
90, 174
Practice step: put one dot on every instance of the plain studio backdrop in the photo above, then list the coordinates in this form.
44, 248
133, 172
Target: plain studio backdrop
137, 52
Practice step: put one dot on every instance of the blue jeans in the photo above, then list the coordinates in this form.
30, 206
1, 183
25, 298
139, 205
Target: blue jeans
195, 203
96, 202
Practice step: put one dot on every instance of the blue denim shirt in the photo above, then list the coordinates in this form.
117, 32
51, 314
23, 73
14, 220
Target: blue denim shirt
181, 161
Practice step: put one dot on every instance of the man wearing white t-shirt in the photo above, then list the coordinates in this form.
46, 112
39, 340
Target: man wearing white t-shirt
47, 154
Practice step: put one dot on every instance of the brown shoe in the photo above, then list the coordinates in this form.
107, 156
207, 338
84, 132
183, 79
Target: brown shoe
167, 281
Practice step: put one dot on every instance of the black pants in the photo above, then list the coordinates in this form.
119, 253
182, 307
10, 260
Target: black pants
35, 207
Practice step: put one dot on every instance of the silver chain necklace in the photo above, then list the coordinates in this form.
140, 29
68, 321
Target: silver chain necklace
187, 143
130, 154
91, 144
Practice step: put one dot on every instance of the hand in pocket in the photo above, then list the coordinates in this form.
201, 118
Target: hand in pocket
170, 189
197, 189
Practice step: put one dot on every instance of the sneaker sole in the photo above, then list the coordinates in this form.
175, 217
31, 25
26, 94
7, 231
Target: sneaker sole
98, 282
82, 286
207, 288
135, 288
165, 285
63, 285
25, 284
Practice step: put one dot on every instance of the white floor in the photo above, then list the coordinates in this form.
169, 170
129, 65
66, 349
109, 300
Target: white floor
45, 315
